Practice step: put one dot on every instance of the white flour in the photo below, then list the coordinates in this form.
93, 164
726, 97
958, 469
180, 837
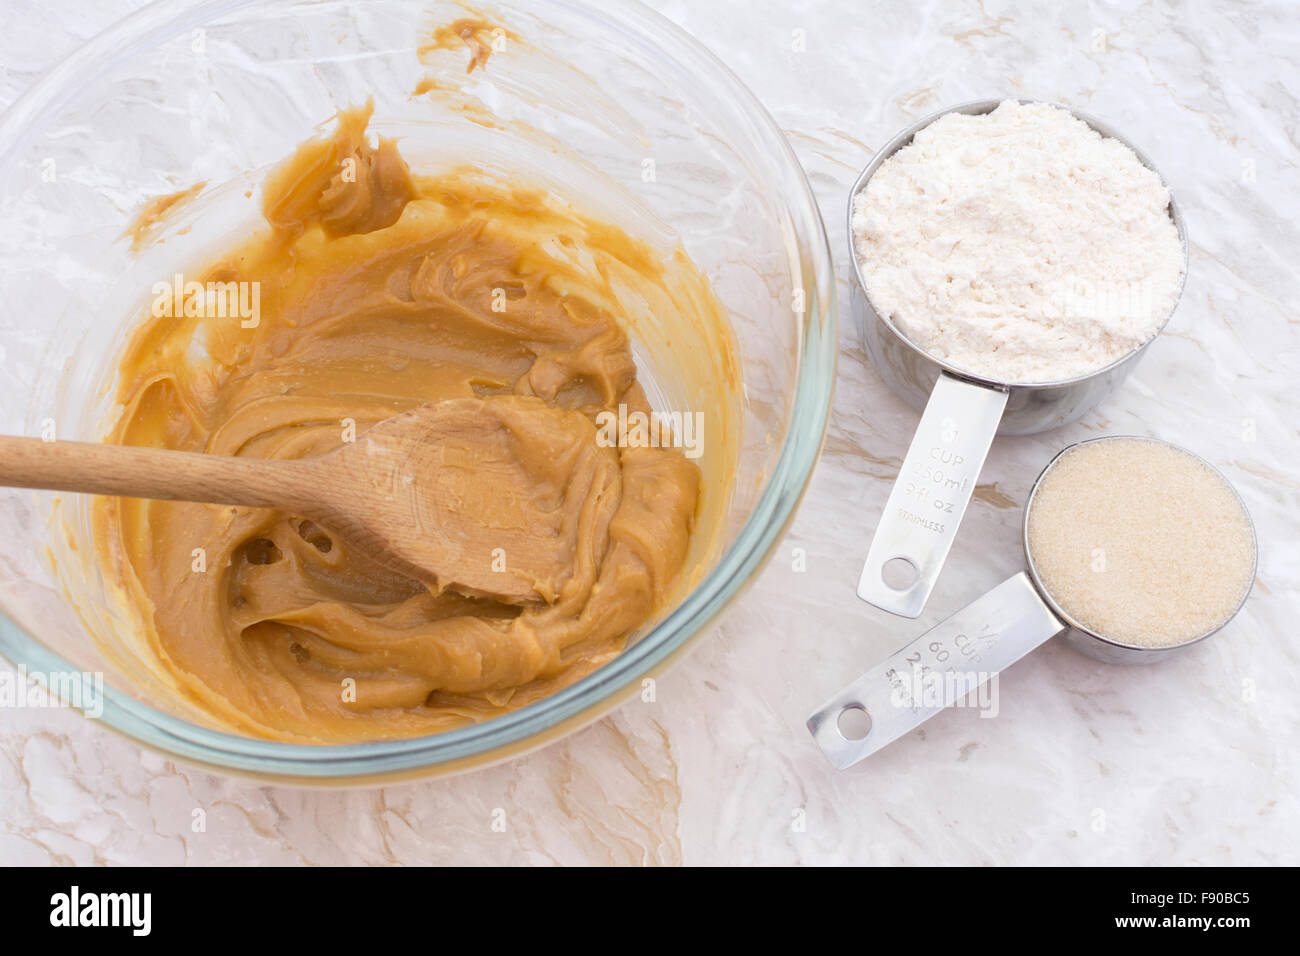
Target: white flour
1020, 246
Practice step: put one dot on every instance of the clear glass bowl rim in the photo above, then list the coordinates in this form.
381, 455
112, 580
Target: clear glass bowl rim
321, 764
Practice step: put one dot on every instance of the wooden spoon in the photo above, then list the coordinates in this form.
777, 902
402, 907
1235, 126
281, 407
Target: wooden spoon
375, 493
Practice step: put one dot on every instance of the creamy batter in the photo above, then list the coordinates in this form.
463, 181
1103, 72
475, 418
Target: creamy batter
380, 290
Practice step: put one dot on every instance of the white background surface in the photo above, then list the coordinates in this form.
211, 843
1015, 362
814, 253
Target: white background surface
1189, 762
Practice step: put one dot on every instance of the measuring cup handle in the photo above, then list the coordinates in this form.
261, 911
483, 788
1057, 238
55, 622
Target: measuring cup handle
937, 669
930, 495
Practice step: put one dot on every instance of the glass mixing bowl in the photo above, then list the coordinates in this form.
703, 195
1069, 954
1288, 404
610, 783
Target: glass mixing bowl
608, 103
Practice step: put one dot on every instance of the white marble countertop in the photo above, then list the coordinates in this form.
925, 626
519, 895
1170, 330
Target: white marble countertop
1190, 762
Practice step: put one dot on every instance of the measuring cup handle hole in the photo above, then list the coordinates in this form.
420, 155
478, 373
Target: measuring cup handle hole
853, 723
899, 573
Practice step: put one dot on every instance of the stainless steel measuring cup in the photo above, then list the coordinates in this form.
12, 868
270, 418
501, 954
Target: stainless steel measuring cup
960, 413
985, 637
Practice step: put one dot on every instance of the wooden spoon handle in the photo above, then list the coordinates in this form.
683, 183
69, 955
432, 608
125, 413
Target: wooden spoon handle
135, 472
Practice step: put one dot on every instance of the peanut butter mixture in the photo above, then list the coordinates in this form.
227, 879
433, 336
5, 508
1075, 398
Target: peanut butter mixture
379, 290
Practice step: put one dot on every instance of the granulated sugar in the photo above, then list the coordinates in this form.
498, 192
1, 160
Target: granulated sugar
1141, 542
1020, 245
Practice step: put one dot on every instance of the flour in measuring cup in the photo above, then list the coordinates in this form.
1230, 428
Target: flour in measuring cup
1020, 245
